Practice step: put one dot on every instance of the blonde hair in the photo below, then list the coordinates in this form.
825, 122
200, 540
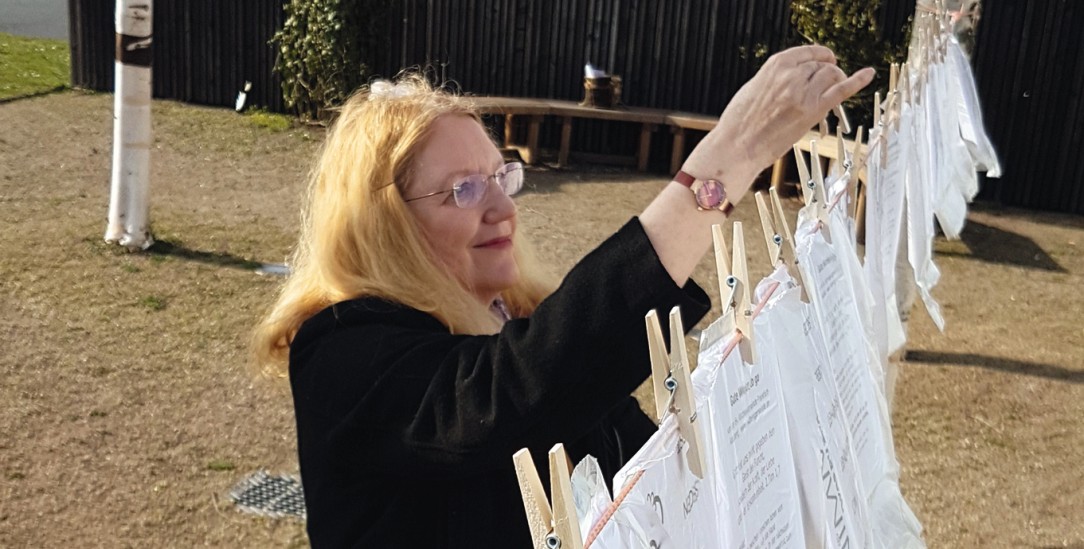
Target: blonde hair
359, 239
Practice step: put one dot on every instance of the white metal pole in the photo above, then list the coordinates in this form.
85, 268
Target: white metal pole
128, 201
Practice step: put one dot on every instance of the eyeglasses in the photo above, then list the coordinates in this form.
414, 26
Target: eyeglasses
471, 190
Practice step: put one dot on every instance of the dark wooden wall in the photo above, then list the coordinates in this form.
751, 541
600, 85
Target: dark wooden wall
684, 54
1029, 65
204, 50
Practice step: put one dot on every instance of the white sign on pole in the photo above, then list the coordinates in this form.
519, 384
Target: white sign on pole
128, 199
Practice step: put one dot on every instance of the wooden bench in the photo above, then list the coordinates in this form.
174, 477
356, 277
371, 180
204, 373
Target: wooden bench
537, 109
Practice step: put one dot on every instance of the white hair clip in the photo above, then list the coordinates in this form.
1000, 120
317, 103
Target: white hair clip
387, 90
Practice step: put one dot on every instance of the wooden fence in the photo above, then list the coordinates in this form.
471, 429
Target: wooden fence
1029, 64
682, 54
204, 50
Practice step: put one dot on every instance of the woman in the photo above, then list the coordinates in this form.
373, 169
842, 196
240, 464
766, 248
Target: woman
423, 347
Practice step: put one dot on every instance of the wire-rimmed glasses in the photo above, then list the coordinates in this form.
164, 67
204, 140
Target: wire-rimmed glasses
471, 190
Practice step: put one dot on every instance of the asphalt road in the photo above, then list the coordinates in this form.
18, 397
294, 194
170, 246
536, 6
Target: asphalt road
35, 18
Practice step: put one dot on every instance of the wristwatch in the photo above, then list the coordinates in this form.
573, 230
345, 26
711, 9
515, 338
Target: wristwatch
709, 193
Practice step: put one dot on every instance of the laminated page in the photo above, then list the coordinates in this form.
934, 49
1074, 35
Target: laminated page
920, 229
752, 461
884, 223
839, 223
628, 524
864, 407
957, 170
589, 493
841, 330
834, 509
658, 477
929, 140
971, 126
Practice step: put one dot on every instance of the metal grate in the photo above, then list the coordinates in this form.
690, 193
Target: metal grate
275, 496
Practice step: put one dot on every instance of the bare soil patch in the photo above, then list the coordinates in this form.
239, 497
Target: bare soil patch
127, 409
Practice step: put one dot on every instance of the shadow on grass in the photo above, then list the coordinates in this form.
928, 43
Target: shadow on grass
60, 88
1000, 364
994, 245
178, 250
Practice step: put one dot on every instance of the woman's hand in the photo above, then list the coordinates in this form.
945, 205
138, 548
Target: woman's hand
793, 91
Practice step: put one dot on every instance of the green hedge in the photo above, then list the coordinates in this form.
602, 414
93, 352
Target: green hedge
326, 50
849, 28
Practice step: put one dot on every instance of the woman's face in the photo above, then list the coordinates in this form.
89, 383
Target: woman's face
474, 243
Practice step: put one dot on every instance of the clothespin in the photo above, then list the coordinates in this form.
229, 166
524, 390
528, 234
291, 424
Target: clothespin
820, 197
822, 128
773, 241
728, 285
743, 305
903, 90
841, 114
556, 527
806, 182
893, 77
859, 155
674, 385
790, 254
776, 231
877, 109
841, 151
844, 163
734, 286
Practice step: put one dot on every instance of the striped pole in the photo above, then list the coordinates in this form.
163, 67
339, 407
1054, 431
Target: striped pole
128, 204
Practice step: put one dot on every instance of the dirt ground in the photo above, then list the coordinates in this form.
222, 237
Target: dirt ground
127, 409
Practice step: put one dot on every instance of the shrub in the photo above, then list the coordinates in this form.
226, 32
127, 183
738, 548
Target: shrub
850, 29
326, 49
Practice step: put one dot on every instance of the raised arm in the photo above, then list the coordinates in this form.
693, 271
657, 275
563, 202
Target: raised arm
793, 91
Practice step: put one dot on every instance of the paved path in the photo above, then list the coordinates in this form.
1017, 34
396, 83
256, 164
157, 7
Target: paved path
36, 18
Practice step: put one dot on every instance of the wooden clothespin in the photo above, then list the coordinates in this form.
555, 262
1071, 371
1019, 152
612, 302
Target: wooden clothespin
820, 197
556, 527
773, 241
844, 122
734, 286
789, 253
727, 283
806, 182
777, 235
841, 152
893, 77
674, 385
904, 90
859, 155
877, 109
743, 305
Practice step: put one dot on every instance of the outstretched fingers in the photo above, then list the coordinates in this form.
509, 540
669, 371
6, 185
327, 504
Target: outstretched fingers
840, 91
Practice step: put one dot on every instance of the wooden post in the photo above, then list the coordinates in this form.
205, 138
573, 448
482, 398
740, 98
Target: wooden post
566, 141
509, 129
645, 146
677, 154
532, 140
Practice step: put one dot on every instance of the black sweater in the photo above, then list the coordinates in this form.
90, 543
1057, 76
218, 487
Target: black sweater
406, 432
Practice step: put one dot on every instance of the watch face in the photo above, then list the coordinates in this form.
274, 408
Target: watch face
709, 194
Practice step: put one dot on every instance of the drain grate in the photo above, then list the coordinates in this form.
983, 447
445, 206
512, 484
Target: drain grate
275, 496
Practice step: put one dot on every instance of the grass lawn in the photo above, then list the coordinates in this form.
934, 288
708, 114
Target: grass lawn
30, 66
